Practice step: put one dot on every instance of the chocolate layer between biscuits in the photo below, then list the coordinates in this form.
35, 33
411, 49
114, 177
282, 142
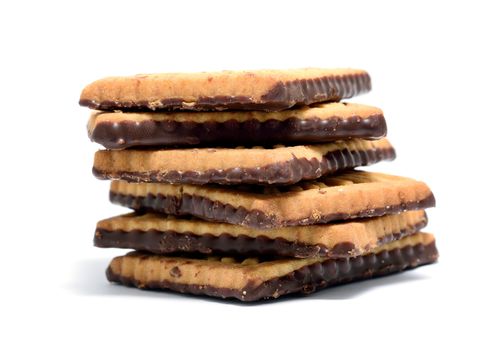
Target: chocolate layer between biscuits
148, 133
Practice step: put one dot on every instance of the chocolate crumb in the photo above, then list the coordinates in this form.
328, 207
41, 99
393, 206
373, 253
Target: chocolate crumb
175, 272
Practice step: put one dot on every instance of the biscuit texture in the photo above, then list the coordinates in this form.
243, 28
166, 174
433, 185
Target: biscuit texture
163, 234
267, 90
250, 279
257, 165
349, 195
319, 123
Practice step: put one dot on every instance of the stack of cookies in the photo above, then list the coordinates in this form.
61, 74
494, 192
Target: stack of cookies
243, 183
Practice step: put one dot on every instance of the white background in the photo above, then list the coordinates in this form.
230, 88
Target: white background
436, 71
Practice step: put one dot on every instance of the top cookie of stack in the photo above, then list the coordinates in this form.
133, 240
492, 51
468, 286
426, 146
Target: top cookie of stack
263, 127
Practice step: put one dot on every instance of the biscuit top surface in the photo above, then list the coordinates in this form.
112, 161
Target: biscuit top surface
279, 89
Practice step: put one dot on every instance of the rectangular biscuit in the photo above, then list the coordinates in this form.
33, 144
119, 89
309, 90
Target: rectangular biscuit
250, 279
267, 90
161, 234
319, 123
351, 194
257, 165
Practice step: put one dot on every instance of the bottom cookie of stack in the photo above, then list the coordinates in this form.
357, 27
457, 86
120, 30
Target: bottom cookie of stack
251, 279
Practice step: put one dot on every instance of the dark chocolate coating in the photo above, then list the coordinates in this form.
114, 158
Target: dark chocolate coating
168, 133
308, 279
284, 173
208, 209
164, 242
282, 96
